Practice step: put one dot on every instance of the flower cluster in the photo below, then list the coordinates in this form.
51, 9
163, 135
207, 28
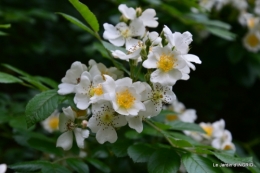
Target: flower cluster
111, 100
249, 16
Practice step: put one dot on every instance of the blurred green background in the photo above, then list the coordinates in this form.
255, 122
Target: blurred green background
226, 85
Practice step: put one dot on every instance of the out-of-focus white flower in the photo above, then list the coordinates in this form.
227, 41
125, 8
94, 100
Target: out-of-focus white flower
67, 125
221, 141
89, 90
101, 69
251, 40
72, 78
3, 168
123, 34
132, 53
218, 128
147, 17
257, 7
124, 96
208, 128
207, 4
241, 5
51, 123
104, 121
167, 63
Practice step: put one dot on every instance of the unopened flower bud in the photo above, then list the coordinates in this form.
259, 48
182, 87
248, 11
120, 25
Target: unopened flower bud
138, 11
124, 19
84, 123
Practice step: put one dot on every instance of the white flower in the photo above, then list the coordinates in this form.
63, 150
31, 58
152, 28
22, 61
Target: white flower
208, 128
251, 40
147, 17
122, 34
104, 121
3, 168
222, 140
189, 116
168, 64
67, 125
180, 43
218, 128
124, 95
153, 38
51, 123
88, 90
71, 78
101, 69
257, 7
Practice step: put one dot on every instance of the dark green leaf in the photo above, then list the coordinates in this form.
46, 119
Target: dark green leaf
131, 134
77, 165
226, 158
47, 81
198, 164
28, 166
18, 122
86, 14
164, 160
5, 26
140, 152
35, 82
184, 137
120, 147
180, 125
54, 168
180, 143
77, 22
7, 78
98, 164
15, 70
3, 33
41, 106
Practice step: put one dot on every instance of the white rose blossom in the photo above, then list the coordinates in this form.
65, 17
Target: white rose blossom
71, 78
104, 121
67, 126
51, 123
147, 17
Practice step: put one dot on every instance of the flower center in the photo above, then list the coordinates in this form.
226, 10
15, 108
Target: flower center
208, 130
98, 90
157, 96
252, 40
125, 99
107, 118
70, 125
166, 62
125, 33
227, 147
54, 123
171, 117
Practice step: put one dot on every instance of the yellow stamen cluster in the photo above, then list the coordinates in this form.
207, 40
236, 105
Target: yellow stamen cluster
171, 117
252, 40
126, 33
107, 117
98, 90
227, 147
166, 62
125, 99
208, 130
54, 123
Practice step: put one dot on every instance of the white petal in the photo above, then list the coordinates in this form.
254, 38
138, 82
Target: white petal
106, 133
192, 58
69, 113
135, 123
85, 133
119, 121
130, 42
66, 88
79, 137
93, 124
124, 82
129, 13
110, 32
120, 41
82, 101
137, 28
151, 62
3, 168
65, 140
148, 18
216, 143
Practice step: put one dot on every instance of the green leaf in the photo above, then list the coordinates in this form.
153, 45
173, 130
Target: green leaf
41, 106
3, 33
35, 82
164, 160
110, 47
140, 152
18, 122
28, 166
226, 158
119, 148
180, 125
180, 143
98, 164
86, 14
198, 164
45, 146
47, 81
54, 168
77, 22
131, 134
7, 78
184, 137
5, 26
77, 165
15, 70
221, 33
235, 53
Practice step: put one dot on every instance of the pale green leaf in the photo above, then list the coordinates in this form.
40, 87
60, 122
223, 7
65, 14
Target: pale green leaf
7, 78
140, 152
198, 164
226, 158
221, 33
180, 125
28, 166
86, 14
164, 160
77, 22
15, 70
5, 26
41, 106
35, 83
47, 81
3, 33
180, 143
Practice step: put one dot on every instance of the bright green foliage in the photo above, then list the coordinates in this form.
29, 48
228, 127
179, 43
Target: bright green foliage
41, 106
